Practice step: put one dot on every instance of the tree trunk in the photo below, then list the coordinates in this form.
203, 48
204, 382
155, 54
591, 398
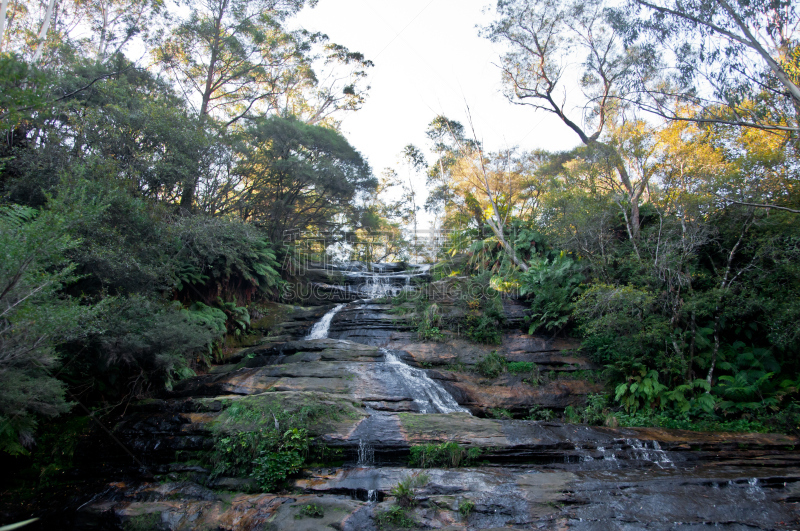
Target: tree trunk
714, 352
3, 11
43, 31
190, 187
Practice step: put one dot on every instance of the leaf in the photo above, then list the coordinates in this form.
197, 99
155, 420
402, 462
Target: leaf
620, 391
18, 525
706, 401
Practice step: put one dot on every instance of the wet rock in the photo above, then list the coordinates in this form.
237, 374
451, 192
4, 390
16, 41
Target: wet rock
533, 475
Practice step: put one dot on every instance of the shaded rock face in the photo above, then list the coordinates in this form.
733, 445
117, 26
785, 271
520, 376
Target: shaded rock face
531, 475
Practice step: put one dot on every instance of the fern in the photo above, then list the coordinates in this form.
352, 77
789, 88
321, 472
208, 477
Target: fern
556, 284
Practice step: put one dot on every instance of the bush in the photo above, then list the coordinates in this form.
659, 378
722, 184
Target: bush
530, 370
155, 343
405, 490
311, 510
541, 413
429, 323
396, 516
444, 455
465, 508
555, 284
485, 316
265, 440
500, 413
219, 256
491, 365
36, 316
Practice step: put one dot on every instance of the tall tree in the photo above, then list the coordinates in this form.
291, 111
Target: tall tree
299, 176
736, 60
544, 36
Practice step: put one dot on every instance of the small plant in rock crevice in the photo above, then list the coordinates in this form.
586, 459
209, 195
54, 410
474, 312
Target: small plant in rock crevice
445, 455
405, 492
541, 413
465, 508
395, 516
310, 510
429, 324
491, 365
500, 413
529, 371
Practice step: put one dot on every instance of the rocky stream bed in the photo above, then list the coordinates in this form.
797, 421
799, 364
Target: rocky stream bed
392, 392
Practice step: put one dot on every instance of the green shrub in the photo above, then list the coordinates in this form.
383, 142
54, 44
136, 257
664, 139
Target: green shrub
642, 389
265, 440
158, 338
555, 284
530, 370
395, 516
571, 416
485, 315
445, 455
311, 510
500, 413
541, 413
491, 365
36, 315
429, 323
405, 492
465, 508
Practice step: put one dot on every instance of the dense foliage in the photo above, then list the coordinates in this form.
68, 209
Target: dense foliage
141, 210
668, 245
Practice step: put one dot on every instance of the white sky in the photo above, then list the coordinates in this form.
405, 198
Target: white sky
429, 60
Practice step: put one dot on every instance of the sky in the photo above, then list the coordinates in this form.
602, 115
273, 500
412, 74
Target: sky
429, 60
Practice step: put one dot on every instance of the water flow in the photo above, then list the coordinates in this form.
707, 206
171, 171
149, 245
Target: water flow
377, 285
321, 327
366, 453
658, 456
429, 396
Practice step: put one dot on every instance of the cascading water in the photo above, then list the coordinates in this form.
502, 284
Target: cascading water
429, 395
639, 450
366, 453
321, 327
374, 285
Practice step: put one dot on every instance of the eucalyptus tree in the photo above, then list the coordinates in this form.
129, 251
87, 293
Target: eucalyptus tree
736, 61
445, 136
234, 59
544, 38
109, 26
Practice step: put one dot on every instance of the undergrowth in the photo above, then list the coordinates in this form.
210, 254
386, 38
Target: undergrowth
267, 439
445, 455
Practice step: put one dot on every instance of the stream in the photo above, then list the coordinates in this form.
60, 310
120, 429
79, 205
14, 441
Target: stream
530, 474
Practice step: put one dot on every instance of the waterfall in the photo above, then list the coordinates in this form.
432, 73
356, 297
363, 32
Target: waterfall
639, 450
375, 285
429, 395
321, 327
366, 453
